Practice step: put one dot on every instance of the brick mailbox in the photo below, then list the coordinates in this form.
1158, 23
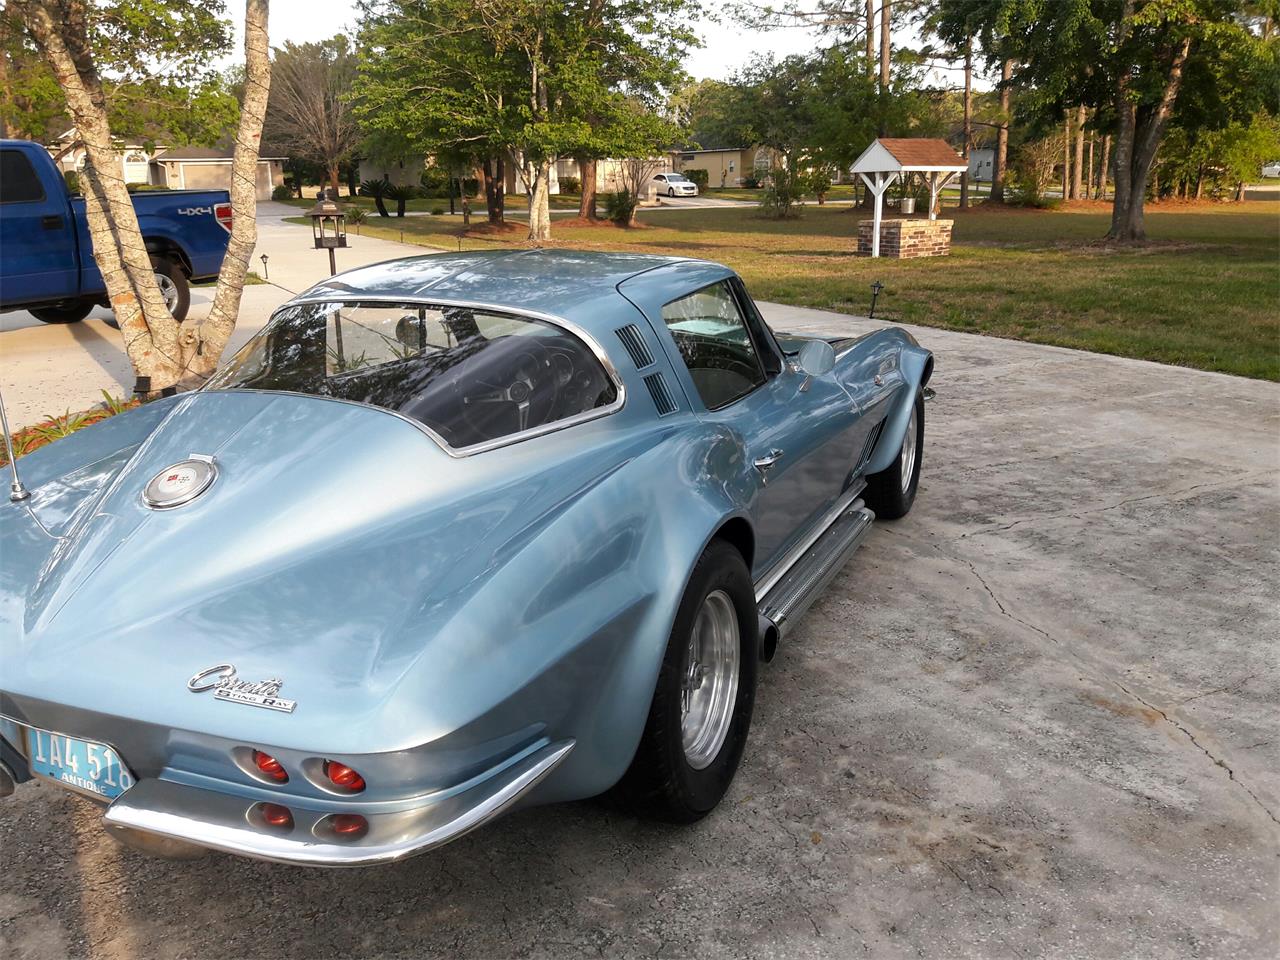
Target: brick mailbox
907, 238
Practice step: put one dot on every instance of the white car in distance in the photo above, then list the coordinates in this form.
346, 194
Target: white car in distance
675, 185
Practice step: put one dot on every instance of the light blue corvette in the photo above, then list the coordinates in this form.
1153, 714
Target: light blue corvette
451, 535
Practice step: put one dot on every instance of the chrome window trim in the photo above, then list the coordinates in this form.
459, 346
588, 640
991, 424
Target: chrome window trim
460, 452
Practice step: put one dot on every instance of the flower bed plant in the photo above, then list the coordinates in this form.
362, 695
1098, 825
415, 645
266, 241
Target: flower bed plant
55, 428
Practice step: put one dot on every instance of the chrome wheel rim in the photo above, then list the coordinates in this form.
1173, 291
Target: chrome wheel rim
710, 685
907, 458
168, 290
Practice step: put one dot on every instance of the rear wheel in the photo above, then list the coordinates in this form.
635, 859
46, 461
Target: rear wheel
701, 711
71, 312
891, 492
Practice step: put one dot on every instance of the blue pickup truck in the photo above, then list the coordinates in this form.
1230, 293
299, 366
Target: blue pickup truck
46, 257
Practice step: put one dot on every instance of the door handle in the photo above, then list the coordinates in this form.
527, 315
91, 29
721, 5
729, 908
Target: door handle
765, 464
53, 222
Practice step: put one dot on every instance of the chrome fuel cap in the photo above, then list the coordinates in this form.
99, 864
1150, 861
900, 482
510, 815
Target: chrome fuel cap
180, 483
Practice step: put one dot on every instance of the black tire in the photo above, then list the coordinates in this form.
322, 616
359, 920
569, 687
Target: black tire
167, 268
886, 494
71, 312
661, 784
671, 191
182, 287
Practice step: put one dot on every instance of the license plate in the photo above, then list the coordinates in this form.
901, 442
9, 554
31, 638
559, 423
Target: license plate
92, 768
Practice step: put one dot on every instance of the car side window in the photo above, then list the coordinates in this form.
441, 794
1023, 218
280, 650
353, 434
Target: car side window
18, 180
715, 344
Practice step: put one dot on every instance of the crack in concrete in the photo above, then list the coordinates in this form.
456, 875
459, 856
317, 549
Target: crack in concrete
1231, 774
1105, 675
1081, 514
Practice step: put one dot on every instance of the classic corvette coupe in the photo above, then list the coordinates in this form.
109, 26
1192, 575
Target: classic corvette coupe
451, 535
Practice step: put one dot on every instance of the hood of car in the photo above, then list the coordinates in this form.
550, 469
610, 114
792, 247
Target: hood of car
333, 543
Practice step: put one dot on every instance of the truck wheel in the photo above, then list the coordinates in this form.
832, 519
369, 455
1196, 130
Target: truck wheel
173, 287
72, 311
701, 710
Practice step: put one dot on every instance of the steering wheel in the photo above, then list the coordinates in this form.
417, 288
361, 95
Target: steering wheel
516, 372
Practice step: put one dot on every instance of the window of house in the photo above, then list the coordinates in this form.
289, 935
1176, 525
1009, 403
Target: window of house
715, 345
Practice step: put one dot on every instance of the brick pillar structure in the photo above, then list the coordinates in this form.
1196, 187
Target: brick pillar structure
901, 239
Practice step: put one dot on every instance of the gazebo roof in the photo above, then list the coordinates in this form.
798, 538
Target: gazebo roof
909, 154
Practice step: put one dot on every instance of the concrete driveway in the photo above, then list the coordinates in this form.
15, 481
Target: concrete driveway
1037, 717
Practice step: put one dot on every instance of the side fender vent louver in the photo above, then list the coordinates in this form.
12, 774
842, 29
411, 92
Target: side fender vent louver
869, 447
661, 393
634, 342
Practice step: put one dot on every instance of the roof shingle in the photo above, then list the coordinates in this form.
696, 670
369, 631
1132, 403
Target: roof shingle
921, 152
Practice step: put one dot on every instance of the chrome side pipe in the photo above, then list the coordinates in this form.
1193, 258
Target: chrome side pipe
17, 492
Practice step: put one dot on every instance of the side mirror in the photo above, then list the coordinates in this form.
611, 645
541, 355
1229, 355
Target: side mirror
816, 358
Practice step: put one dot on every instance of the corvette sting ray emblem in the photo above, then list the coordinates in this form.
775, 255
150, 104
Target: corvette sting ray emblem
225, 686
180, 483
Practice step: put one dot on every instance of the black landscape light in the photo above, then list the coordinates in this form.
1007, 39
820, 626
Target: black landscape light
328, 228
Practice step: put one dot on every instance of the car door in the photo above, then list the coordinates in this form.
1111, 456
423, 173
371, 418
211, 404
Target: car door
37, 237
796, 430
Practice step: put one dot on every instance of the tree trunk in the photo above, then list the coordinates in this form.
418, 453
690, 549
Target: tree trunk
587, 174
334, 179
1200, 182
1134, 159
884, 46
871, 37
1088, 179
968, 120
1240, 192
163, 352
1077, 172
495, 190
538, 183
1002, 134
1066, 159
1104, 168
211, 337
353, 179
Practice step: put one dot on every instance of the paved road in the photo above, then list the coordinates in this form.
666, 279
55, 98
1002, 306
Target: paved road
1037, 717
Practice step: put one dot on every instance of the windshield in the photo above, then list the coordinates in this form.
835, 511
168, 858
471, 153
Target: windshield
471, 376
674, 177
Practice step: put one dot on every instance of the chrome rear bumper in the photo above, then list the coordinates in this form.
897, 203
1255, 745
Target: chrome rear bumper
228, 823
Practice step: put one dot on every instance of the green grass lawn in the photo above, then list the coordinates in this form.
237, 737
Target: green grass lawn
1204, 293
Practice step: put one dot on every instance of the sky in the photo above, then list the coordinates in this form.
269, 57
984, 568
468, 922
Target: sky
727, 47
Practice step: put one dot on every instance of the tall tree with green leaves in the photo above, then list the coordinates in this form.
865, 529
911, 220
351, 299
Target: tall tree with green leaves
84, 41
1136, 65
529, 80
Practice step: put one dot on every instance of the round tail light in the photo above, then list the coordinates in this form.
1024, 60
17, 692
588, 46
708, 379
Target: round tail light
270, 767
348, 824
275, 815
340, 775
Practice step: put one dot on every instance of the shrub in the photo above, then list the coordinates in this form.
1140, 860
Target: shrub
143, 187
401, 194
818, 182
73, 181
698, 176
437, 211
751, 182
783, 193
282, 193
570, 185
355, 214
620, 207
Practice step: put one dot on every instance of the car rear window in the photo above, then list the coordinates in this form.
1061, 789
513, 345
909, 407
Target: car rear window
18, 180
471, 376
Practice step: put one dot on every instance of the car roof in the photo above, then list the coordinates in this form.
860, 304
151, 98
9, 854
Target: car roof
581, 286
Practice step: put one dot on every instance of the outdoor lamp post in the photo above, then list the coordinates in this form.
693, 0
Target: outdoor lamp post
329, 228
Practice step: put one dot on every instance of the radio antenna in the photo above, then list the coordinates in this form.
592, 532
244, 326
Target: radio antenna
17, 492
